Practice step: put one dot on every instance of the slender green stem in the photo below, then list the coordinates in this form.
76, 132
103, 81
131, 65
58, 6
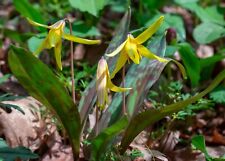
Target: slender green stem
123, 94
96, 121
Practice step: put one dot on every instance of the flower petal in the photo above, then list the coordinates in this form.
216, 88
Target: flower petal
118, 49
147, 53
121, 61
149, 31
115, 88
37, 24
80, 40
57, 51
54, 37
132, 52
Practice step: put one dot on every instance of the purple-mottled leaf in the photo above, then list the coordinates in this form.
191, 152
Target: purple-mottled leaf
140, 78
89, 96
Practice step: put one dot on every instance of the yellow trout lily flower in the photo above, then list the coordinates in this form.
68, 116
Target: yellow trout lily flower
54, 39
132, 49
103, 83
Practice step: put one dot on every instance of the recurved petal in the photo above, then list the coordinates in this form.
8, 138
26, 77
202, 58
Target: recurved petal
80, 40
149, 31
121, 61
115, 88
57, 51
117, 50
37, 24
147, 53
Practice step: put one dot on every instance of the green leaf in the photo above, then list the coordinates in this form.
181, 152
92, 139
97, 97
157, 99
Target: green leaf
208, 32
42, 84
91, 6
191, 62
9, 97
14, 35
183, 2
144, 119
218, 94
27, 10
82, 29
204, 63
199, 142
212, 14
4, 78
101, 142
34, 42
11, 154
171, 21
5, 106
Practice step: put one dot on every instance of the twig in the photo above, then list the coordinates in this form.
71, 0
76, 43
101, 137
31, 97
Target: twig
72, 64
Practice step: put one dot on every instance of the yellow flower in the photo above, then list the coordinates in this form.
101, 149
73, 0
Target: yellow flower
54, 39
132, 49
103, 83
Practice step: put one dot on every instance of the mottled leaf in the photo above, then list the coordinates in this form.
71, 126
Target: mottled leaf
42, 84
89, 95
140, 78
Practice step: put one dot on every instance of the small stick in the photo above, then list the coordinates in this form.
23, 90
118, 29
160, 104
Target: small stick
96, 121
72, 65
123, 94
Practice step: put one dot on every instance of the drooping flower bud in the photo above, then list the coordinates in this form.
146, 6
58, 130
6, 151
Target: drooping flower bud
103, 83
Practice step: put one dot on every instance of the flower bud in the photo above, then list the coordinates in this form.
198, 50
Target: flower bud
101, 83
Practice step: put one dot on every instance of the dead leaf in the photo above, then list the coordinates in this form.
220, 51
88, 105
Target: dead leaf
19, 129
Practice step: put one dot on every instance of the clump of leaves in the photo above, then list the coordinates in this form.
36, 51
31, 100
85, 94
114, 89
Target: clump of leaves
83, 74
174, 93
8, 154
218, 95
198, 143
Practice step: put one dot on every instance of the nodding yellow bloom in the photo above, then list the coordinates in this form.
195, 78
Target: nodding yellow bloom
103, 83
54, 39
132, 49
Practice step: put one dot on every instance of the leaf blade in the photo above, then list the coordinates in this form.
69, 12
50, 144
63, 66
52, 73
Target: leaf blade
43, 85
151, 116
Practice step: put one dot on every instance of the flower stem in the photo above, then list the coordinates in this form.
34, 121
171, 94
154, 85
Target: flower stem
96, 122
72, 65
124, 94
